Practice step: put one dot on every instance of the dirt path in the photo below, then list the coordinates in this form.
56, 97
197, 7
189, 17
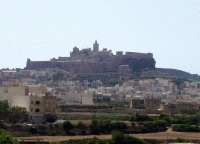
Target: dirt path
160, 135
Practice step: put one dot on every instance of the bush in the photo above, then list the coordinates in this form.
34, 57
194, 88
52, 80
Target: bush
52, 133
106, 126
154, 126
21, 134
120, 138
33, 130
186, 128
166, 118
141, 117
67, 125
81, 125
132, 118
102, 126
133, 140
117, 138
118, 125
194, 120
6, 138
180, 140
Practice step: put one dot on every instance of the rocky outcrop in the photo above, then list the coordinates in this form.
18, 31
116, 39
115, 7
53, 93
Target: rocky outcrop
179, 74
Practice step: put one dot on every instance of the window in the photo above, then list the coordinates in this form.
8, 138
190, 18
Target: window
31, 109
31, 102
37, 110
37, 102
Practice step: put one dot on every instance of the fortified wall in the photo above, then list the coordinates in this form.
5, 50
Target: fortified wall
96, 61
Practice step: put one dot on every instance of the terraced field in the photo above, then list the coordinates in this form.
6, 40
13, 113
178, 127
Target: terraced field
160, 136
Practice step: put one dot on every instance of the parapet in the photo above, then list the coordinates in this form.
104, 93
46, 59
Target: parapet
139, 55
119, 53
104, 49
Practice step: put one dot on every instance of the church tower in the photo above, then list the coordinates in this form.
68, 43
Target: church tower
95, 46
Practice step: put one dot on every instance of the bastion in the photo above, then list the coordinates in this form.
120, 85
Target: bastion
97, 61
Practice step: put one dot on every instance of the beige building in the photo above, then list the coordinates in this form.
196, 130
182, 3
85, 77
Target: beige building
178, 107
36, 89
72, 97
20, 101
9, 72
8, 93
152, 103
87, 98
12, 91
42, 105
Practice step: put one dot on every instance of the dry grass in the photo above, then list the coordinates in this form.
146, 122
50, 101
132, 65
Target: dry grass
160, 135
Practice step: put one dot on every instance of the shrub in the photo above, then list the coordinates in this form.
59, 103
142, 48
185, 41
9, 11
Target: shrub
119, 125
186, 128
141, 117
132, 118
33, 130
81, 125
21, 134
166, 118
180, 140
6, 138
118, 137
67, 125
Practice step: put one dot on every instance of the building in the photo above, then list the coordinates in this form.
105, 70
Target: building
72, 97
137, 103
87, 97
97, 61
36, 89
9, 93
41, 106
152, 103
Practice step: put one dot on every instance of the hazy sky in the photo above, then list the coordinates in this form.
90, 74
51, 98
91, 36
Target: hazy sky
43, 29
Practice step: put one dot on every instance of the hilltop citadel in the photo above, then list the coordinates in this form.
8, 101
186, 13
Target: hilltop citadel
96, 61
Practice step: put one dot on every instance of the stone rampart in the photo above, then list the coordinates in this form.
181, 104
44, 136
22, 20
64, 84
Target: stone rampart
87, 61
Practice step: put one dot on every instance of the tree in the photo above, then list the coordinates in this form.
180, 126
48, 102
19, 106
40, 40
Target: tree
141, 117
6, 138
58, 76
17, 69
112, 81
17, 114
166, 118
3, 109
119, 125
118, 137
67, 125
133, 140
132, 118
50, 118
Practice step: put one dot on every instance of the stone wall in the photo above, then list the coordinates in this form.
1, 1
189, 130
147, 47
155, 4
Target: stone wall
87, 61
94, 67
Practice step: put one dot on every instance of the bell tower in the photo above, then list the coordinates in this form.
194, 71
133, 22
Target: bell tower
95, 46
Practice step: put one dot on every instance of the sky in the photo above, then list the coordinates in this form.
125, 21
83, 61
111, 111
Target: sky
43, 29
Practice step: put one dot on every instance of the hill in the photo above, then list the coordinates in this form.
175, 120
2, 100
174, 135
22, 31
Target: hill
179, 74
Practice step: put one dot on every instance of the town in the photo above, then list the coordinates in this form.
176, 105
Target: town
92, 85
